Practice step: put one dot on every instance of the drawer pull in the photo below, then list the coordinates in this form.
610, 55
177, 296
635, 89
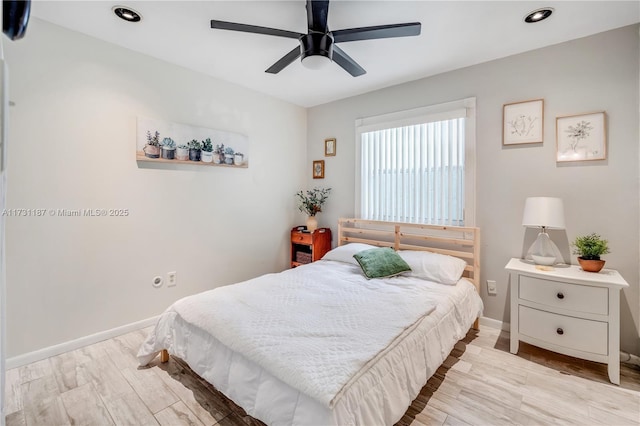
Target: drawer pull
301, 238
560, 295
560, 331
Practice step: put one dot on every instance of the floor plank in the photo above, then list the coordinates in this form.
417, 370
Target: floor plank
177, 415
42, 402
84, 406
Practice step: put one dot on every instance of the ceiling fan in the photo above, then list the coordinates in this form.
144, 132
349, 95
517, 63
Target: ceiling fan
317, 47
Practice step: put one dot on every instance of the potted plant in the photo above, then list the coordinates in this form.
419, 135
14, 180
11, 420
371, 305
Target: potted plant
238, 158
207, 151
218, 154
168, 149
310, 203
228, 155
152, 148
194, 150
182, 152
589, 248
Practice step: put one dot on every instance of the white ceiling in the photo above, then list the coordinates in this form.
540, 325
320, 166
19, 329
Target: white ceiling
455, 34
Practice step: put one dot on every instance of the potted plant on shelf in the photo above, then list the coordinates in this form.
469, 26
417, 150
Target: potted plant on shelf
194, 150
228, 155
218, 154
207, 151
152, 148
182, 152
311, 202
238, 158
589, 248
168, 149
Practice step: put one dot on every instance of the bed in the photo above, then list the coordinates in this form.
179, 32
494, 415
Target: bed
322, 344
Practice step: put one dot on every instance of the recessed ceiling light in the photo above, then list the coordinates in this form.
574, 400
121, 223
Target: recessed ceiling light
538, 15
127, 13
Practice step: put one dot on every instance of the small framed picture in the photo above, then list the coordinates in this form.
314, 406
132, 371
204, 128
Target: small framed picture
523, 122
581, 137
329, 147
318, 169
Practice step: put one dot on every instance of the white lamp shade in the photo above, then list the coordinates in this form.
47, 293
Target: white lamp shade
543, 211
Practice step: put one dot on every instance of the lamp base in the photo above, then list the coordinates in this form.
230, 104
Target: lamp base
543, 251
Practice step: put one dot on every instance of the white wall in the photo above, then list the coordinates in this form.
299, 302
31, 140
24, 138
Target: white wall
72, 145
592, 74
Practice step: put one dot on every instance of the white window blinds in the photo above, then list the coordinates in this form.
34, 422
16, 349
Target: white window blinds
413, 168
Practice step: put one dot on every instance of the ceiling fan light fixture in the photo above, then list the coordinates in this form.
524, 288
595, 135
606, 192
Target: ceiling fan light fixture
538, 15
127, 14
315, 62
317, 50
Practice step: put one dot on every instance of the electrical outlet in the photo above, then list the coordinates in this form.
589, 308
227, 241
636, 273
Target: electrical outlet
172, 278
491, 287
157, 282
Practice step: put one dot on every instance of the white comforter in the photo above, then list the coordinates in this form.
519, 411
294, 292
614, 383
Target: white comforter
313, 327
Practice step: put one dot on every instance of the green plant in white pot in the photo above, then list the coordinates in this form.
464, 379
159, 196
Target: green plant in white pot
207, 151
589, 248
228, 155
238, 158
182, 152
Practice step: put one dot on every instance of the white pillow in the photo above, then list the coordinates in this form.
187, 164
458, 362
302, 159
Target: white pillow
345, 253
434, 266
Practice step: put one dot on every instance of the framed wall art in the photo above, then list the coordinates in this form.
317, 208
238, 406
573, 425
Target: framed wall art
581, 137
329, 147
160, 141
523, 122
318, 169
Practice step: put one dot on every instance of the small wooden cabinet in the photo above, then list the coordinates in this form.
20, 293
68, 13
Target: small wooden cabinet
307, 247
567, 310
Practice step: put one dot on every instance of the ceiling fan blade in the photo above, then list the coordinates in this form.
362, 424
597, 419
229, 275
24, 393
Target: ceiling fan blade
284, 61
222, 25
317, 12
378, 31
346, 62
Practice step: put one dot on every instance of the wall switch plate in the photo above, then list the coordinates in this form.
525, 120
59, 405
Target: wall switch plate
172, 278
492, 288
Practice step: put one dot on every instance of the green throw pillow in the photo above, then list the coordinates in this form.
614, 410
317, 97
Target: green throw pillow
381, 263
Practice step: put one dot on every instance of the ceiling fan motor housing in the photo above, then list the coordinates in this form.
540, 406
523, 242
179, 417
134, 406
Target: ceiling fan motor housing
317, 44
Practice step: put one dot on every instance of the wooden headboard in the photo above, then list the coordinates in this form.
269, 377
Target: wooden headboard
462, 242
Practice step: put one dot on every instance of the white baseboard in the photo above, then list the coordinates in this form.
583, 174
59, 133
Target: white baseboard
493, 323
40, 354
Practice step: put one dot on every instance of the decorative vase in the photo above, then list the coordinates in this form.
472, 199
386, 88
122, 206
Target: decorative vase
168, 153
218, 158
182, 154
312, 223
238, 159
151, 151
591, 265
206, 156
228, 158
194, 154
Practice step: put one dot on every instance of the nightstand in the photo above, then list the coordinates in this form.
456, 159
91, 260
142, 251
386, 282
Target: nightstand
567, 310
307, 247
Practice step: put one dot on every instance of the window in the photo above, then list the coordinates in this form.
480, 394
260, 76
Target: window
418, 166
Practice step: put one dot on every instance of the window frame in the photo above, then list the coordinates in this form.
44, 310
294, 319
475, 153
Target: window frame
426, 114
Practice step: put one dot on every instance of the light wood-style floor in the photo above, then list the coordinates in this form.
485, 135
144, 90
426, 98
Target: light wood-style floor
480, 383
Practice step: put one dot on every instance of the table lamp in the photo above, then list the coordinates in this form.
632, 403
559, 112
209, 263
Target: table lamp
545, 213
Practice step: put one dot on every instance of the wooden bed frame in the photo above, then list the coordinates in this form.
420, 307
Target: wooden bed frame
461, 242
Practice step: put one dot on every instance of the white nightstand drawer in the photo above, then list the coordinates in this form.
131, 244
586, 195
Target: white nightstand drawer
573, 297
569, 332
